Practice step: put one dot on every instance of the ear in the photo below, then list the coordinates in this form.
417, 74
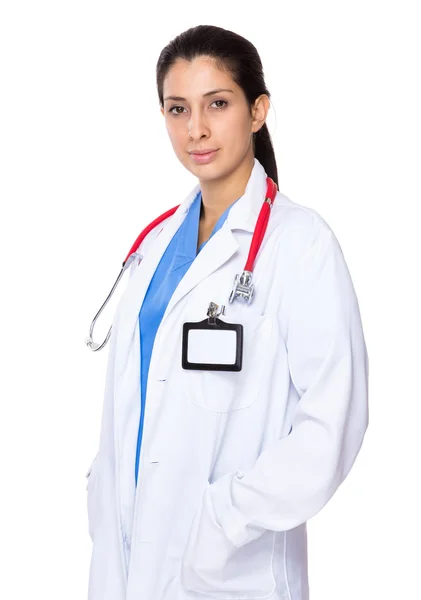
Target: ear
162, 110
259, 113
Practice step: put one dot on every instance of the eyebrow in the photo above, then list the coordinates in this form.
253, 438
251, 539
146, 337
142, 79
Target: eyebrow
181, 99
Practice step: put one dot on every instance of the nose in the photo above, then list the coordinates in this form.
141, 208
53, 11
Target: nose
197, 126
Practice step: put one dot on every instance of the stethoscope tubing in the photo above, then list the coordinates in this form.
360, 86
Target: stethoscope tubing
256, 242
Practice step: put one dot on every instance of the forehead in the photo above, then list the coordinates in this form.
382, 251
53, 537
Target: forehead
196, 77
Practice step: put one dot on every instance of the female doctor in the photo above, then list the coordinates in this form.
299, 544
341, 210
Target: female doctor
222, 437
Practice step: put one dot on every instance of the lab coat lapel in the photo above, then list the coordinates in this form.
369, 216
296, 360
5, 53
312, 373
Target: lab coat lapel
223, 245
131, 301
217, 251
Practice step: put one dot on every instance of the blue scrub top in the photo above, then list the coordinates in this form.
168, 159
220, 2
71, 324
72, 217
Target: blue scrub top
173, 265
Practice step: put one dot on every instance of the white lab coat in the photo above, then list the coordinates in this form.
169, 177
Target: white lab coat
232, 464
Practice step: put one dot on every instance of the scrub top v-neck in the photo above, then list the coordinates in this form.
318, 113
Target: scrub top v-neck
176, 260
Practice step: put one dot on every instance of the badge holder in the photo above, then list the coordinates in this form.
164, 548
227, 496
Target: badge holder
212, 344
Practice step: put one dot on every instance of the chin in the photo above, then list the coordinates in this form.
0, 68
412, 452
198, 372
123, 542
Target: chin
203, 172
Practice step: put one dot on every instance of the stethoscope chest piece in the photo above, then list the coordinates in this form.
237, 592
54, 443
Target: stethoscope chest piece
243, 288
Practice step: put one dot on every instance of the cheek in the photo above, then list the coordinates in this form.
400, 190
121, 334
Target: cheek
175, 133
235, 130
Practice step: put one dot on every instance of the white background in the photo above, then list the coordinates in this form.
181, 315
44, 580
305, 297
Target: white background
86, 164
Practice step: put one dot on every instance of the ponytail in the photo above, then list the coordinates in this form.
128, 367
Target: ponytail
264, 152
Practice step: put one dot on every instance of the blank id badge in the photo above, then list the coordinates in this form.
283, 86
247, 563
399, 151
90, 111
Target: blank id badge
212, 344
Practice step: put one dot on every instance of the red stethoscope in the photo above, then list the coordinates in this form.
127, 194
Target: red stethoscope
242, 288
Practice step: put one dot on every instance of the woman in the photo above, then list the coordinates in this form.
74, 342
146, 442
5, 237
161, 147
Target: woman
203, 485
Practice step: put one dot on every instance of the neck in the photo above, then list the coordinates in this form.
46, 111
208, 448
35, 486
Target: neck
218, 195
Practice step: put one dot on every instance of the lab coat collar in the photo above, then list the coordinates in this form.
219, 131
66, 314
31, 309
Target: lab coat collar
245, 211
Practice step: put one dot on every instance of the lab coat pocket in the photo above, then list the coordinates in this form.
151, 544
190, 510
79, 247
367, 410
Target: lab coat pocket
212, 565
92, 488
225, 391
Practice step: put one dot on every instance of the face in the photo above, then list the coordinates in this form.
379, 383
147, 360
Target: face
198, 117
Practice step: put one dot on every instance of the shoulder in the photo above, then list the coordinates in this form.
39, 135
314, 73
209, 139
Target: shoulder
307, 251
298, 228
297, 215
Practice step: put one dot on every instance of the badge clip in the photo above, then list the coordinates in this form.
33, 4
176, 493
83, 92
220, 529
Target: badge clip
213, 312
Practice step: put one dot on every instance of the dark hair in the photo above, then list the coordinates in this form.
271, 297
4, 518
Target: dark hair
233, 53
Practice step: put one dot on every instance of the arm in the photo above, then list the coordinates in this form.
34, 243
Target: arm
297, 475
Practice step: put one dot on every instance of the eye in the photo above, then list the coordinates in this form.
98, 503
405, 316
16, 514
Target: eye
174, 107
223, 101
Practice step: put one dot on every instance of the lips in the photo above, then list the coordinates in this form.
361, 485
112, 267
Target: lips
202, 157
199, 152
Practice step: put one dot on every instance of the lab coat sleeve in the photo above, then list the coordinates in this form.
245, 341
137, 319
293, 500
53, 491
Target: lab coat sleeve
297, 475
